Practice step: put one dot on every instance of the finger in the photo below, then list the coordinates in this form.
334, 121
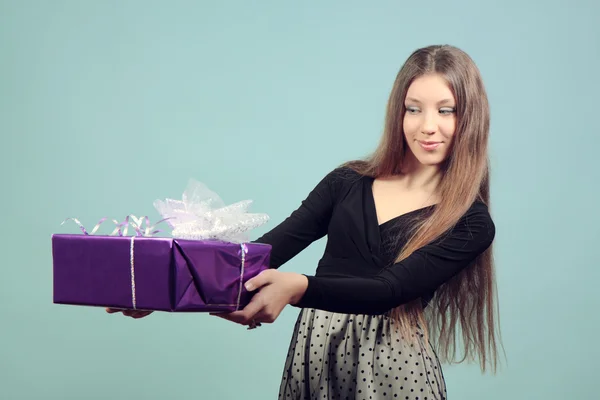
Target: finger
141, 314
232, 316
220, 314
259, 280
112, 310
225, 316
263, 317
133, 313
249, 312
234, 319
235, 316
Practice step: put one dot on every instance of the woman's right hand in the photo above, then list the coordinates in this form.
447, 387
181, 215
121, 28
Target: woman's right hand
129, 313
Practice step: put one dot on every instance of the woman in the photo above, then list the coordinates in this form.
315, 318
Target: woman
408, 261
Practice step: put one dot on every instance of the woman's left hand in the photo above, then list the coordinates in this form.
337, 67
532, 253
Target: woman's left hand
276, 290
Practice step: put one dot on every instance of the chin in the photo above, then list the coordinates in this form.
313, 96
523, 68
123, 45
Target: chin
429, 159
429, 162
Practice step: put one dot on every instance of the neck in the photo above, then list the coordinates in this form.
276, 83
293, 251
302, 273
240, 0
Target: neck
421, 177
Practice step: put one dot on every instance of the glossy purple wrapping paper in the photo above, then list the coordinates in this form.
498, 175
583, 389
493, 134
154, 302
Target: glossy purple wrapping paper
169, 274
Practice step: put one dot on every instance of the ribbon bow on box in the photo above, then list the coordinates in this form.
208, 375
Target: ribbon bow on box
202, 215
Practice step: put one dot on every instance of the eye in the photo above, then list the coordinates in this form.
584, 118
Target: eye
412, 110
447, 111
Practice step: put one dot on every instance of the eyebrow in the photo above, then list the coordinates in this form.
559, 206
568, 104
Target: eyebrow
439, 102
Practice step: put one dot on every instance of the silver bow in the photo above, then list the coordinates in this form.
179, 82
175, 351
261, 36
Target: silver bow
202, 214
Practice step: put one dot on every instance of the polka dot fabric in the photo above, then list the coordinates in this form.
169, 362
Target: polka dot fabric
343, 356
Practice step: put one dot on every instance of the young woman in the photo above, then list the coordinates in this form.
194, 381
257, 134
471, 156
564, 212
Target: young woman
408, 261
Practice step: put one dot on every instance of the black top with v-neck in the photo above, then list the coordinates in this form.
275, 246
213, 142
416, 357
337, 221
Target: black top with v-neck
358, 273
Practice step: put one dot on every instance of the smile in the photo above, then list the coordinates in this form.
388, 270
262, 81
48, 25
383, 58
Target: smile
429, 146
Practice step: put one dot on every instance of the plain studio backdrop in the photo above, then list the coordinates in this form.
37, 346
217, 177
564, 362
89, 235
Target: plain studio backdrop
106, 106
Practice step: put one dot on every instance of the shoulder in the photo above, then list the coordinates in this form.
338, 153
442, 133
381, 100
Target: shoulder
478, 213
476, 227
341, 179
472, 234
343, 175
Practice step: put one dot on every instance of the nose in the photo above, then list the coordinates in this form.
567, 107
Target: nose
429, 126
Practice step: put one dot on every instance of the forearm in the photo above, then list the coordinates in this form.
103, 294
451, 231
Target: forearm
349, 295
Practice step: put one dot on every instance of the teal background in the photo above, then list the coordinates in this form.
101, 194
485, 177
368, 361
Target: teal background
106, 106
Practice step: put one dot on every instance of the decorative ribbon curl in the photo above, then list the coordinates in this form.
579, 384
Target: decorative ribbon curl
137, 224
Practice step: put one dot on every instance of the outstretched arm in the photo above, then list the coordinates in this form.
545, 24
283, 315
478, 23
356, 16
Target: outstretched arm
419, 274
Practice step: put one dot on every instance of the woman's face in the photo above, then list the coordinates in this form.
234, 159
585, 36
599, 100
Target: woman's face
430, 119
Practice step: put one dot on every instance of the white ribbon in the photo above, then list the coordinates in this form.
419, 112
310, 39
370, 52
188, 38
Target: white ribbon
132, 269
202, 214
244, 250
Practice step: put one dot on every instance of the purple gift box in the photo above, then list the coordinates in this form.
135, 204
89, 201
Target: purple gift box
153, 273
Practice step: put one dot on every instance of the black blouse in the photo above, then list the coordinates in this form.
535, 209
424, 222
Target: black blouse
358, 273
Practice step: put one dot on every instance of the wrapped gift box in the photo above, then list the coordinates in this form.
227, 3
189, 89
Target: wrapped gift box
162, 274
201, 267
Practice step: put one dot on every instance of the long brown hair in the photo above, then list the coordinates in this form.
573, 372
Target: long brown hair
467, 303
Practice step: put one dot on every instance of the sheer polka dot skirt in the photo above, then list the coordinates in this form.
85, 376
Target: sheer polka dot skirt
341, 356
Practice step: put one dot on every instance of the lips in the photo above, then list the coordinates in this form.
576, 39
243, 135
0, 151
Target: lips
429, 145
